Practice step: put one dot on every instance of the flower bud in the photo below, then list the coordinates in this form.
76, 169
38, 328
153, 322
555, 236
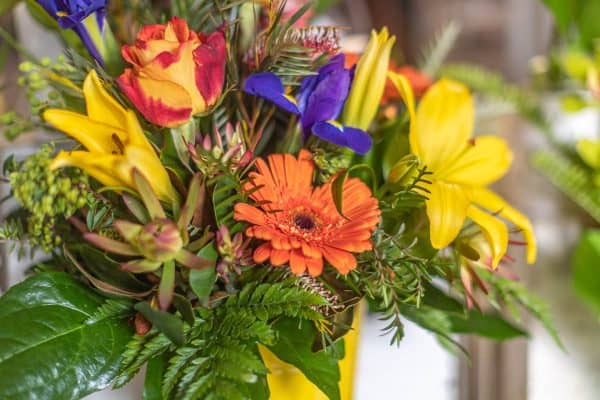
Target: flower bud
369, 81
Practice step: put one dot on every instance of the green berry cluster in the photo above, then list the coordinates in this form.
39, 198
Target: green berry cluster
49, 196
39, 81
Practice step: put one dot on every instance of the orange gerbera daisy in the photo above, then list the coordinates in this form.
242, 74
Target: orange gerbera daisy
301, 224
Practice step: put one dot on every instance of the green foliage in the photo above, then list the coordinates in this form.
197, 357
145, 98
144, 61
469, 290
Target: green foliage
513, 294
295, 347
580, 14
570, 177
434, 56
391, 276
202, 281
50, 323
7, 5
492, 85
50, 196
168, 324
219, 357
586, 264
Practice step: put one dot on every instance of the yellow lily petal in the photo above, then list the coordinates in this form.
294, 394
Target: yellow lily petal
94, 136
446, 209
372, 97
151, 168
136, 134
100, 105
404, 88
98, 166
445, 120
486, 160
369, 81
494, 230
496, 204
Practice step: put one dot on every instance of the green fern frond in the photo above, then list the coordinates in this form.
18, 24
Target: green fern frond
491, 84
513, 293
220, 358
139, 351
436, 53
572, 179
111, 309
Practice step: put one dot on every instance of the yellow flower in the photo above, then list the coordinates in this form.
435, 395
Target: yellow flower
462, 166
369, 81
114, 140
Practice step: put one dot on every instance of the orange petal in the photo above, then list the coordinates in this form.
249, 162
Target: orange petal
297, 262
310, 251
315, 266
279, 257
341, 260
262, 253
248, 213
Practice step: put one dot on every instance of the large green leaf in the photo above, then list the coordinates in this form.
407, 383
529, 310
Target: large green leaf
586, 269
58, 339
295, 347
490, 324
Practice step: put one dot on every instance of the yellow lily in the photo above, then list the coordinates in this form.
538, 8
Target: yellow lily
369, 81
462, 166
115, 142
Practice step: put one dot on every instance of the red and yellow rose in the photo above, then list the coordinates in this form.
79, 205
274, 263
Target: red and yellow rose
176, 73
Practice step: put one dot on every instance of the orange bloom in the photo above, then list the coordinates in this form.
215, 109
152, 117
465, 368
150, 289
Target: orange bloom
299, 223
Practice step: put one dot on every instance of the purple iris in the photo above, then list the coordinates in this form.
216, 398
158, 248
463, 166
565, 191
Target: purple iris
70, 14
319, 102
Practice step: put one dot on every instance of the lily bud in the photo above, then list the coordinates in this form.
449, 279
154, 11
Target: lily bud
369, 81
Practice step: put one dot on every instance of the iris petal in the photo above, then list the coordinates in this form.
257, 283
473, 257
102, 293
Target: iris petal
345, 136
327, 99
358, 140
268, 86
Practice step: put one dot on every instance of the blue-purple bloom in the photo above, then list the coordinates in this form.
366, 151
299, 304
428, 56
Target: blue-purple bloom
319, 102
85, 17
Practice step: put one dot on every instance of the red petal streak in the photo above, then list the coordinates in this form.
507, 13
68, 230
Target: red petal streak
210, 60
153, 109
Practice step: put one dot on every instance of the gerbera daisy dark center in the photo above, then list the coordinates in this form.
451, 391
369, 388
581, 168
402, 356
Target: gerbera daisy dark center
304, 221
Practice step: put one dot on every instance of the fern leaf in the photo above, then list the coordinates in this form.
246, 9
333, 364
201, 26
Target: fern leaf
570, 178
435, 55
139, 351
111, 309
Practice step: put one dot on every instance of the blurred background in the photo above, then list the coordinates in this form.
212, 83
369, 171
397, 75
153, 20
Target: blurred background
502, 35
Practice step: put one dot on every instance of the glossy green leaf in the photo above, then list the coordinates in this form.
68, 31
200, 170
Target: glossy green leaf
165, 322
202, 281
492, 326
56, 340
295, 347
586, 269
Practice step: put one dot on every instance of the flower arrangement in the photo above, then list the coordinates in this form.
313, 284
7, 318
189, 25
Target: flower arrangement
233, 187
